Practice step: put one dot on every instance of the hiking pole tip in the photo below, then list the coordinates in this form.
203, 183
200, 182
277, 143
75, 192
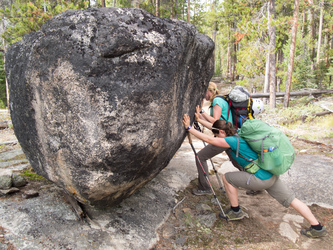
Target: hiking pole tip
223, 217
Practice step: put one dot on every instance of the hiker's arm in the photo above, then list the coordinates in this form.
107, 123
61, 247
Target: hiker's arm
216, 141
217, 112
200, 117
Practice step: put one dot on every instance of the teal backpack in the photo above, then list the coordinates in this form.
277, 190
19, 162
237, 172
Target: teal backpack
275, 152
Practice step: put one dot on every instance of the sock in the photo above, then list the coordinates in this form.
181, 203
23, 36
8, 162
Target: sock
235, 209
317, 227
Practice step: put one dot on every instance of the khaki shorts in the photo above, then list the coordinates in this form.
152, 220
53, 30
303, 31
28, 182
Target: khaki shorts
274, 186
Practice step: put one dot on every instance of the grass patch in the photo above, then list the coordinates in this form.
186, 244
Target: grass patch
30, 174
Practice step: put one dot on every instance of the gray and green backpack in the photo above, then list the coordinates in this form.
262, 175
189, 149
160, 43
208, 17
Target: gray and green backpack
275, 152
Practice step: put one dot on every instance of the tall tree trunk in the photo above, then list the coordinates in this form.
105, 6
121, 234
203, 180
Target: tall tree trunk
291, 55
171, 9
4, 46
303, 22
266, 83
234, 62
331, 47
188, 11
221, 61
313, 35
157, 8
103, 3
228, 62
214, 34
272, 63
326, 47
320, 31
278, 79
228, 54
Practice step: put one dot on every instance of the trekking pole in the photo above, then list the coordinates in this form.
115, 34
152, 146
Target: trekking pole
206, 176
197, 127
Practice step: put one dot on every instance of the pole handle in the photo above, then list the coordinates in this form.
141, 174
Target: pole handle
189, 137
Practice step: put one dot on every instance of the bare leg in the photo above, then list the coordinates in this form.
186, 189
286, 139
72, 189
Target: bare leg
231, 191
304, 210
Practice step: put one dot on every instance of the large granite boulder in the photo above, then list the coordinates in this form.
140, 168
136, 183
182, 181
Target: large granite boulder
97, 97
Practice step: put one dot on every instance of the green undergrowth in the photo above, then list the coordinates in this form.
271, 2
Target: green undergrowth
300, 119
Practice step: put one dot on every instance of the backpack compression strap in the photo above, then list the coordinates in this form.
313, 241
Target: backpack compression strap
262, 145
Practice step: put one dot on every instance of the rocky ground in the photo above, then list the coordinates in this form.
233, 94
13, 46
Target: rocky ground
184, 222
269, 226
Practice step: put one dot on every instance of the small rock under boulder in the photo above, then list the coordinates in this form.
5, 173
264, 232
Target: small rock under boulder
97, 97
6, 179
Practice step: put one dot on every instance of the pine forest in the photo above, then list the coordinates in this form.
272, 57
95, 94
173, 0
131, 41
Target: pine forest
266, 46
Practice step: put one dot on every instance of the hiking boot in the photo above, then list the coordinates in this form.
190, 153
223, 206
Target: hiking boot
252, 192
201, 192
231, 215
313, 233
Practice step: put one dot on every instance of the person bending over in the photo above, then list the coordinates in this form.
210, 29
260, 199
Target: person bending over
218, 111
258, 179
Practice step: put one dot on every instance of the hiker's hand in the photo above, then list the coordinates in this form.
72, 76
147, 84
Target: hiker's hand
198, 109
186, 121
197, 116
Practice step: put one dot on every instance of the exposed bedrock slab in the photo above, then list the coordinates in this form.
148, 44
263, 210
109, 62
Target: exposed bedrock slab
97, 97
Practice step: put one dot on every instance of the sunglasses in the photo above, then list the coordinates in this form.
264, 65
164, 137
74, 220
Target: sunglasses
215, 130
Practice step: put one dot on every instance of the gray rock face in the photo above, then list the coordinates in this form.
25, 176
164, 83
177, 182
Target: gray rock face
97, 97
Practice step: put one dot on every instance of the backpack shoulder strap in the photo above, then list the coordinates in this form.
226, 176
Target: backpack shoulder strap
237, 150
249, 109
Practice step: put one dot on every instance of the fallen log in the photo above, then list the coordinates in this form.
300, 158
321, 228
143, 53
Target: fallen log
315, 143
295, 93
303, 117
9, 142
